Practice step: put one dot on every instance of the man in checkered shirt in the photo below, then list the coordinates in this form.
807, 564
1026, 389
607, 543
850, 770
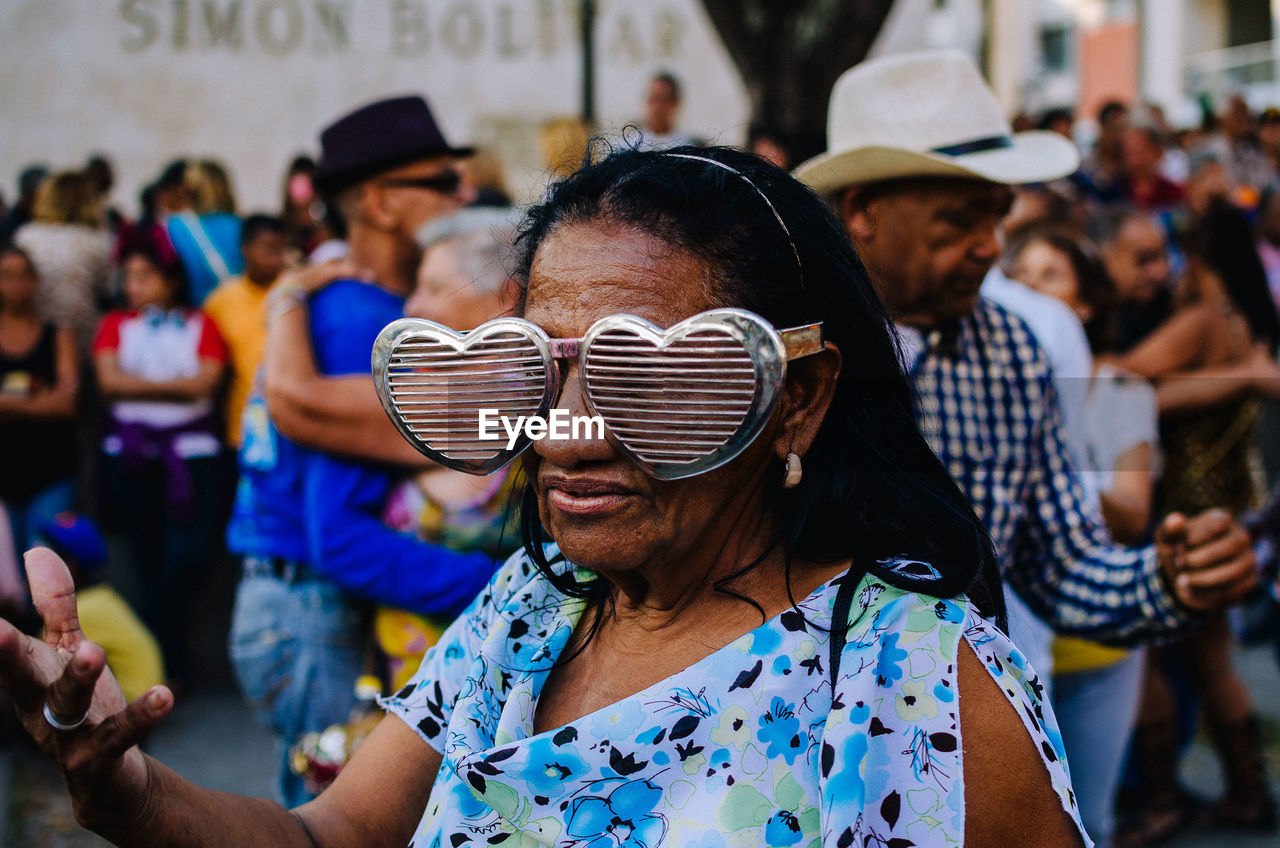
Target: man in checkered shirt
919, 167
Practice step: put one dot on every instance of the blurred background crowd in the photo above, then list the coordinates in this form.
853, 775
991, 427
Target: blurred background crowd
132, 334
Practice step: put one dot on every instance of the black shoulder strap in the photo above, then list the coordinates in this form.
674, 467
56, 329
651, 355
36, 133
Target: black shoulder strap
840, 624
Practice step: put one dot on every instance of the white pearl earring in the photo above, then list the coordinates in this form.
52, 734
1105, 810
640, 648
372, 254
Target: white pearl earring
794, 471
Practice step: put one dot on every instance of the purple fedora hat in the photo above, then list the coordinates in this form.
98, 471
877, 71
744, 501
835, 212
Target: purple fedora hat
376, 138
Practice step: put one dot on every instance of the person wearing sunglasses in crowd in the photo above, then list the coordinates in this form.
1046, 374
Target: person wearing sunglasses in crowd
307, 523
784, 634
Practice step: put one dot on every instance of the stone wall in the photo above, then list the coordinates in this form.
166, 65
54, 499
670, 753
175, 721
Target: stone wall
252, 81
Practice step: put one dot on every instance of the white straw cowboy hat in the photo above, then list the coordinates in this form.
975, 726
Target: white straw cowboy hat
927, 114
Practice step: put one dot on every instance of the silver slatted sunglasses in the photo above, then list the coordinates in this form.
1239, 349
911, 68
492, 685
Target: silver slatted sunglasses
677, 402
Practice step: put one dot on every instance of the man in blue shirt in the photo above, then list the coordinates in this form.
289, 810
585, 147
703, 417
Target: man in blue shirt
306, 523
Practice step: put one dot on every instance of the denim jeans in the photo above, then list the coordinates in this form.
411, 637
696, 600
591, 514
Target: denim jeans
297, 649
25, 517
1096, 710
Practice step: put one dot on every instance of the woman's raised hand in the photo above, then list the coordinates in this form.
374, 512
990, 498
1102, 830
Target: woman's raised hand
70, 703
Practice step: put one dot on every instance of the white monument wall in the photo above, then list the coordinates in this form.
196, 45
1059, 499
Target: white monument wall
252, 82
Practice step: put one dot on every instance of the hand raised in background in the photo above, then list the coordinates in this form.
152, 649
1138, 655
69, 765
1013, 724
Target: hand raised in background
1207, 559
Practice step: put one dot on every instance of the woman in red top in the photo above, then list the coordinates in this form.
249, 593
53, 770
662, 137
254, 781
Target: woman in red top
159, 363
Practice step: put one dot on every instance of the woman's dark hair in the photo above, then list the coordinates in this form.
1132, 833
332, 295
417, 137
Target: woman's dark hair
147, 203
873, 489
147, 244
1111, 110
260, 224
173, 175
1094, 285
1054, 116
301, 164
8, 248
1224, 241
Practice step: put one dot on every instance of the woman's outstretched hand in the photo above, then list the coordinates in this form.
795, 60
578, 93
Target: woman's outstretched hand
100, 762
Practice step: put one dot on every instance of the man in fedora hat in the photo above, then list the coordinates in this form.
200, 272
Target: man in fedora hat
919, 167
307, 524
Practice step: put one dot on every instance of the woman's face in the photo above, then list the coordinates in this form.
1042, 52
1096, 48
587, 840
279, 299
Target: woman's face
1046, 269
606, 514
145, 285
445, 294
17, 280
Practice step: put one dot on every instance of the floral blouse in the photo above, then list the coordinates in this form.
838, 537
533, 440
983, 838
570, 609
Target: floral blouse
744, 747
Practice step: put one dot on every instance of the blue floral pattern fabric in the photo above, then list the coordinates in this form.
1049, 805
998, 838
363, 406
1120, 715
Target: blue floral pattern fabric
747, 746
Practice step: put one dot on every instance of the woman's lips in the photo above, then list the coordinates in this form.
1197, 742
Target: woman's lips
585, 496
584, 504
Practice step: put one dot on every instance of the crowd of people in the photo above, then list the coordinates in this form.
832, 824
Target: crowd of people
1160, 245
1038, 410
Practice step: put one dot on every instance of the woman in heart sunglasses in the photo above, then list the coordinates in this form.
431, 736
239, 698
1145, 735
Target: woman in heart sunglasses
795, 644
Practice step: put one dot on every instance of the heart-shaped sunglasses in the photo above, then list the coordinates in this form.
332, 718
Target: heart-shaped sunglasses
677, 402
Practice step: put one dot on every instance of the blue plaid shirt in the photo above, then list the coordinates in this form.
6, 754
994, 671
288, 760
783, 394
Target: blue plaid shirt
986, 404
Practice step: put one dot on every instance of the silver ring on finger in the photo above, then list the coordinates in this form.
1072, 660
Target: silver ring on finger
58, 724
